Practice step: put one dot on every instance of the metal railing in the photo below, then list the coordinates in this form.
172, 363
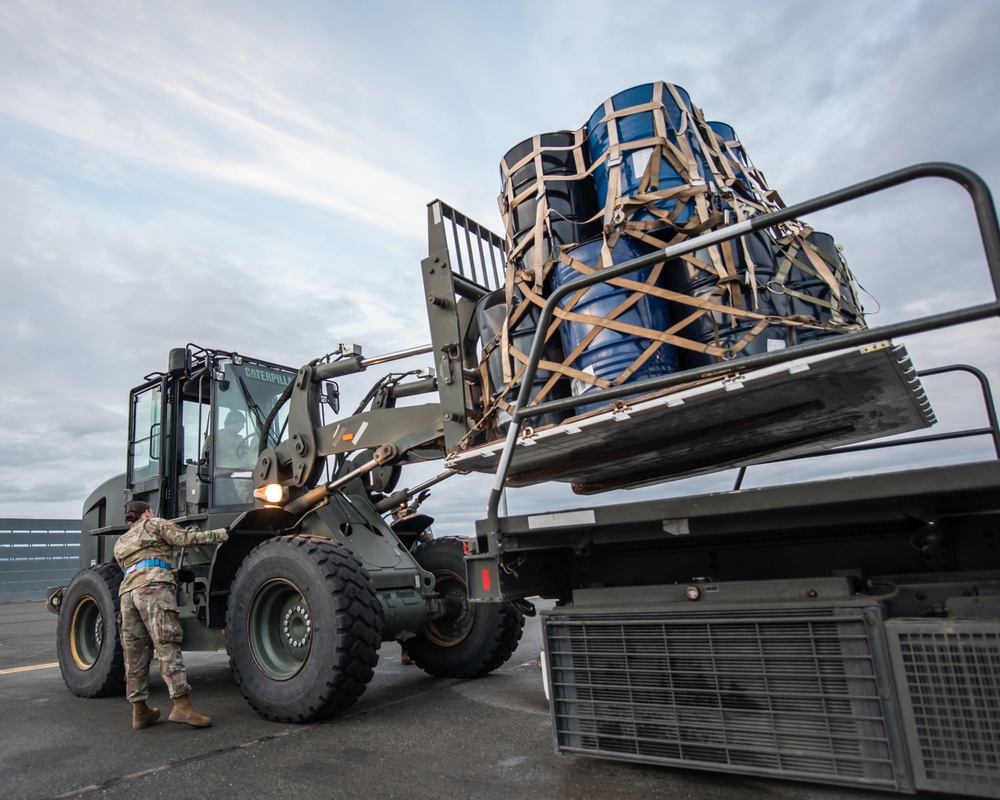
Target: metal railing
989, 231
992, 429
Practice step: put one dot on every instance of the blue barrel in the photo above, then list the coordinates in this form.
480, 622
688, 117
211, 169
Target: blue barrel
634, 127
736, 154
720, 328
491, 313
611, 352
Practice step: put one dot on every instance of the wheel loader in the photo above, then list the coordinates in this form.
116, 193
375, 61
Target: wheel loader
312, 580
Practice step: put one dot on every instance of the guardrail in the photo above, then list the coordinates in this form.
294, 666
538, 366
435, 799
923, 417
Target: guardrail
36, 553
989, 231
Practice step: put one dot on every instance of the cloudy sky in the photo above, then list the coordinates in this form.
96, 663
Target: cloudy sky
253, 176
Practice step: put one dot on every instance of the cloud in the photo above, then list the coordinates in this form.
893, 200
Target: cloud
255, 178
199, 114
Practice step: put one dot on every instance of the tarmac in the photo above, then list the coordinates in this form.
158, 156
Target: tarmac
409, 736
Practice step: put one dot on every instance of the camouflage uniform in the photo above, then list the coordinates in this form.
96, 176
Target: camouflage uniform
149, 603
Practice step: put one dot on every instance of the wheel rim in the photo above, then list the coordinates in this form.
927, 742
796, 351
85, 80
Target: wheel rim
460, 616
86, 633
280, 629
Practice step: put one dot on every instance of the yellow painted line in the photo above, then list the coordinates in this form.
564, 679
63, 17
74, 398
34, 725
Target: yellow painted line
28, 669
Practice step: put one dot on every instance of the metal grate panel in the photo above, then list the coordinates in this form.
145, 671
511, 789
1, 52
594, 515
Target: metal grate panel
477, 254
794, 693
948, 673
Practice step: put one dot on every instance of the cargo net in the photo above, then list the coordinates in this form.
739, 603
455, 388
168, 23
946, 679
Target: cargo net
648, 171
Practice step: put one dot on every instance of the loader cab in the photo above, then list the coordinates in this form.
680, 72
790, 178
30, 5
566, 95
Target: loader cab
195, 430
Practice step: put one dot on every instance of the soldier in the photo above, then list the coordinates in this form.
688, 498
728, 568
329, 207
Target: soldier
230, 449
149, 611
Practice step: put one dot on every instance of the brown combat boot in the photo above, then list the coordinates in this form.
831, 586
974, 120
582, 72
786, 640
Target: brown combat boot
184, 712
143, 716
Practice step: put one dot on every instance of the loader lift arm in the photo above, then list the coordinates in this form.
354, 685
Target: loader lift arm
393, 435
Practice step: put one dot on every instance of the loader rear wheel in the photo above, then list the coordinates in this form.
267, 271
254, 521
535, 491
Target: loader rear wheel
88, 643
471, 639
303, 628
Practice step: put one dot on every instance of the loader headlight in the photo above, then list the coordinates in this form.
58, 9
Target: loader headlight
272, 493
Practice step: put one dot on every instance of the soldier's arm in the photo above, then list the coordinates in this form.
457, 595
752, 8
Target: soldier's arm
179, 537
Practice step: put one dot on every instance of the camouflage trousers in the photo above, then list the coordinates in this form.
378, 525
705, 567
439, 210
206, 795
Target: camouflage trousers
149, 622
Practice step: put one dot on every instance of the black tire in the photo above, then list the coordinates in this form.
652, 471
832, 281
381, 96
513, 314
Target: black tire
88, 642
303, 629
472, 639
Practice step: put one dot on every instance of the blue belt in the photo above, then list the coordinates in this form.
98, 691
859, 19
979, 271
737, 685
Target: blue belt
149, 562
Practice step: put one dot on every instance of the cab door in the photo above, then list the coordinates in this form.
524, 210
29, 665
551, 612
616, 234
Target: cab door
145, 444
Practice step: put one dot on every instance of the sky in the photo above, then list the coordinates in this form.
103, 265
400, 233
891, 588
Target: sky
253, 176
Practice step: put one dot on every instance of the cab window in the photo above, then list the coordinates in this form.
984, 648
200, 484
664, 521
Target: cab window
244, 399
145, 434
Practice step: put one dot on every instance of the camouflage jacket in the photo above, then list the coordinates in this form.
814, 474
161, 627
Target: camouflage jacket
156, 538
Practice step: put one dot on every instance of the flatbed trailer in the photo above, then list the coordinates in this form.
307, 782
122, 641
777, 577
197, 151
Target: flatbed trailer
844, 631
912, 522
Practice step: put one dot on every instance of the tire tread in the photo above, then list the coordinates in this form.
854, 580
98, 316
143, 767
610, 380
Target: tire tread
85, 683
498, 625
354, 598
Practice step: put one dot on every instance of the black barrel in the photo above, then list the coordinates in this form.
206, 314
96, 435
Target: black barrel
491, 314
721, 328
544, 170
819, 301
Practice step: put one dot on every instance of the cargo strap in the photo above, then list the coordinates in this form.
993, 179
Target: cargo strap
719, 186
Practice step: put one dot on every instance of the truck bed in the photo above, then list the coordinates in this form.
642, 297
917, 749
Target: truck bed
908, 523
931, 493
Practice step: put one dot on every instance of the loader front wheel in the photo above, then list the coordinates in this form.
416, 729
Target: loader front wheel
88, 643
470, 639
303, 628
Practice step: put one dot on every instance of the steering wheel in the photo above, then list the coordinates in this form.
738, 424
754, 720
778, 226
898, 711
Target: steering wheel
247, 446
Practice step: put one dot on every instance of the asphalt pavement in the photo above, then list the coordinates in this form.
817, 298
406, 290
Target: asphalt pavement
409, 736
